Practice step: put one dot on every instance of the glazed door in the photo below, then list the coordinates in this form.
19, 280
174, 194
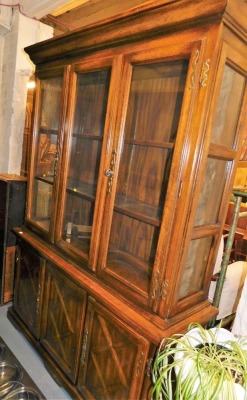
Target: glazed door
143, 172
46, 148
212, 193
28, 292
92, 109
62, 320
113, 357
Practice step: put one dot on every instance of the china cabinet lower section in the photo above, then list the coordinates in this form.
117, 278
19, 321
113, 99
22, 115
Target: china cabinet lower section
94, 344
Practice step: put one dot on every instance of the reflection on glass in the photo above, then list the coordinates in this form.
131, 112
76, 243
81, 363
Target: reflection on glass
211, 192
195, 266
42, 203
47, 147
228, 108
46, 150
155, 101
84, 158
143, 179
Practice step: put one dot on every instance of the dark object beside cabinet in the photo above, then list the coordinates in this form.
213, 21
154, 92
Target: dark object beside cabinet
12, 210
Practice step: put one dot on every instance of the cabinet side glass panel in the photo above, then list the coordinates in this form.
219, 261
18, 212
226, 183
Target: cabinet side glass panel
212, 188
195, 266
214, 180
207, 214
228, 107
46, 150
153, 113
84, 158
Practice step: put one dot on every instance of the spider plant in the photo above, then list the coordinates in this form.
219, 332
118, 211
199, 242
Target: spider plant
201, 365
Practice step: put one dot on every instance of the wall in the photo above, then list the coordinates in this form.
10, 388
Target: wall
15, 70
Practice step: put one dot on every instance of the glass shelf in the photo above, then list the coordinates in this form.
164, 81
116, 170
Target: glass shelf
82, 189
130, 268
165, 145
138, 210
45, 178
79, 243
81, 135
48, 131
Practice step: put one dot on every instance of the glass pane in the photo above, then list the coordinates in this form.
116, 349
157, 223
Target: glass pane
46, 150
143, 180
42, 203
155, 101
152, 119
211, 192
195, 266
84, 158
228, 108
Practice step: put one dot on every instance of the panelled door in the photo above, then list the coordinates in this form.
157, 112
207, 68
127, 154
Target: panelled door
113, 357
92, 115
151, 148
62, 320
50, 105
28, 292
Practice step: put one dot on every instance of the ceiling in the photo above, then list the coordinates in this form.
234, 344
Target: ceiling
67, 7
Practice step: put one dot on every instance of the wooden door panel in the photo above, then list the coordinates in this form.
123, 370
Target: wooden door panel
28, 287
154, 122
63, 320
46, 150
113, 357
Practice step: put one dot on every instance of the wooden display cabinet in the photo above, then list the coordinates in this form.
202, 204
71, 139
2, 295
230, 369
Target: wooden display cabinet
138, 123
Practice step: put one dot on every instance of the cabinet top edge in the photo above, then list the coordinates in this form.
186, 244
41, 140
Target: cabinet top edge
12, 178
148, 20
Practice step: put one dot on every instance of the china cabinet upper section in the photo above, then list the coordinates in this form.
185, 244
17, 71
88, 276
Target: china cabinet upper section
137, 127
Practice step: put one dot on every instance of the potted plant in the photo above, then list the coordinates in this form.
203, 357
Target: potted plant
201, 365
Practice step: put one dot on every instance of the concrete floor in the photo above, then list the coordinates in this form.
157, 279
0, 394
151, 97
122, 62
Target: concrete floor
29, 359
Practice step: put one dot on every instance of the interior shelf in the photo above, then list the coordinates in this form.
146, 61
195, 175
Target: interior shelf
81, 189
46, 179
141, 211
48, 131
165, 145
82, 135
130, 269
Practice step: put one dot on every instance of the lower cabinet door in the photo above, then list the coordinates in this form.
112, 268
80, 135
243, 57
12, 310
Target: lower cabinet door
113, 357
63, 318
29, 277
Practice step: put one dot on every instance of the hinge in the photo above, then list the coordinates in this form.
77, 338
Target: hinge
140, 364
84, 347
38, 300
194, 68
159, 287
149, 364
156, 285
163, 291
204, 74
